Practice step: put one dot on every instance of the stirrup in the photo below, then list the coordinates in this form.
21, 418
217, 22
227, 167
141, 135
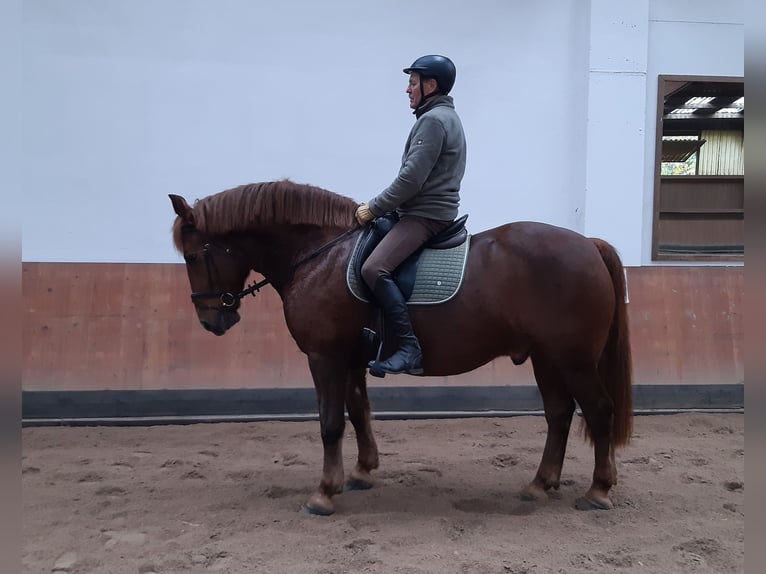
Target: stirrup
374, 365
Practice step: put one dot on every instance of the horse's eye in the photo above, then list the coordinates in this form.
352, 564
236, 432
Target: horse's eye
228, 250
191, 258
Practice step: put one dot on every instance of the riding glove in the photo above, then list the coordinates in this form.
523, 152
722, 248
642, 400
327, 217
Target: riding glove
363, 214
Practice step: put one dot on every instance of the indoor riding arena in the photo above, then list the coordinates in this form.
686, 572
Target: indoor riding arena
150, 445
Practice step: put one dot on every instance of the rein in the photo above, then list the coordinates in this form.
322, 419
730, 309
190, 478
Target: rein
231, 300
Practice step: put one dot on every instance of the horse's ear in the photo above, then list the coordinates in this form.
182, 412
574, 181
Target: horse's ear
182, 209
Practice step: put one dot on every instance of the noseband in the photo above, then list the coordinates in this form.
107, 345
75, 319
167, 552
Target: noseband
230, 301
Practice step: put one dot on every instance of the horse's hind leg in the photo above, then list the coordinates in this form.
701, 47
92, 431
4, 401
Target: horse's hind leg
559, 408
330, 382
358, 406
598, 411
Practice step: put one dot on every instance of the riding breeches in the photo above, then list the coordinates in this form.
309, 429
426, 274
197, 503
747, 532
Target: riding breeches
406, 237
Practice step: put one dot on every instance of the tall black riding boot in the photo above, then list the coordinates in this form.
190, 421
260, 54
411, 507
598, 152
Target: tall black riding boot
408, 358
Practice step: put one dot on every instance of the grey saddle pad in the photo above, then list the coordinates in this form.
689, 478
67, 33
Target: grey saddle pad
439, 275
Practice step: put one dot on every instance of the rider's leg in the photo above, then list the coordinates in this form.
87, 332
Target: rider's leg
408, 358
409, 234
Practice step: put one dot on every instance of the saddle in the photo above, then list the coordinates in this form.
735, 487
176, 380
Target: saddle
448, 265
431, 275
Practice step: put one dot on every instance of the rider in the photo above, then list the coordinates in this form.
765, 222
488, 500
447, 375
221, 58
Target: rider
425, 194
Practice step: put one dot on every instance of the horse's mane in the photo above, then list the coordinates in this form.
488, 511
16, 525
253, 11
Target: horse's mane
274, 202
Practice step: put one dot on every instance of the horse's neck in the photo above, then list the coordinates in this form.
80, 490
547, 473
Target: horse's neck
276, 251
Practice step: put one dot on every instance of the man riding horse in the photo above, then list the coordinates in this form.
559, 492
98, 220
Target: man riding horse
425, 195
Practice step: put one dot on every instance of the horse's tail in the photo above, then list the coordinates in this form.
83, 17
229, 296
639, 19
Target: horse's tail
615, 365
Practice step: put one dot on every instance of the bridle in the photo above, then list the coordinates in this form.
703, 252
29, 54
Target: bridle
230, 301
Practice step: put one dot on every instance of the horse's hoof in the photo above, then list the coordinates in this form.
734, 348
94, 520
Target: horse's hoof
359, 480
532, 493
320, 505
584, 503
358, 484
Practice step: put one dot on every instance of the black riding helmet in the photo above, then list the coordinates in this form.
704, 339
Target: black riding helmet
440, 68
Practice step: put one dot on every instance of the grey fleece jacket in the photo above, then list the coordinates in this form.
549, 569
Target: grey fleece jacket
433, 164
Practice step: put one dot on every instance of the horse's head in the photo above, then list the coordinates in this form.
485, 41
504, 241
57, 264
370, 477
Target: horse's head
217, 272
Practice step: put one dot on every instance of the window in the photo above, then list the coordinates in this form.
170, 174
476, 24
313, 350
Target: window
699, 178
680, 154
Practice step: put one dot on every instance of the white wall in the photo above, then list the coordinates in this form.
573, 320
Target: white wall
125, 102
615, 126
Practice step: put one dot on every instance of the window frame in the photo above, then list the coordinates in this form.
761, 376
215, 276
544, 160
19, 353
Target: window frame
659, 132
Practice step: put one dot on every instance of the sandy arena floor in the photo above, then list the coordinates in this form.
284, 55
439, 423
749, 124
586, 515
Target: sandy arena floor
227, 498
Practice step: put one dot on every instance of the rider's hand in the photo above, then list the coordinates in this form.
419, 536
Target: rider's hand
363, 214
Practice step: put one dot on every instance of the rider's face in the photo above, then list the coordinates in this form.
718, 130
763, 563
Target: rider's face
414, 89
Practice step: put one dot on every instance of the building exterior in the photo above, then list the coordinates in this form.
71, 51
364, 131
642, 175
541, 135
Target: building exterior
569, 107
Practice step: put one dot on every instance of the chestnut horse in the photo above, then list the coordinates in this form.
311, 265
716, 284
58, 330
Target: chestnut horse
529, 290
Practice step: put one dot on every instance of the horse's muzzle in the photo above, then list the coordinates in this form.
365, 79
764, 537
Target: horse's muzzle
222, 323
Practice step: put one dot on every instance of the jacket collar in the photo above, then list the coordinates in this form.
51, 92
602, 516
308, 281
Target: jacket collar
433, 102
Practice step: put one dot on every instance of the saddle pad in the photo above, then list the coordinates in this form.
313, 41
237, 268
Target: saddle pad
439, 275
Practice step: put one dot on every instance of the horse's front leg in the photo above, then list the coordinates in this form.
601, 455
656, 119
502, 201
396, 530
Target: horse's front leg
330, 383
358, 406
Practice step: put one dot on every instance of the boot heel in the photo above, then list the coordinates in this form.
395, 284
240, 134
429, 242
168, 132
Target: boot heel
375, 369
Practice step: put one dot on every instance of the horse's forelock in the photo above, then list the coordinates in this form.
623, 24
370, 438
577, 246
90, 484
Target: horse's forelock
177, 224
